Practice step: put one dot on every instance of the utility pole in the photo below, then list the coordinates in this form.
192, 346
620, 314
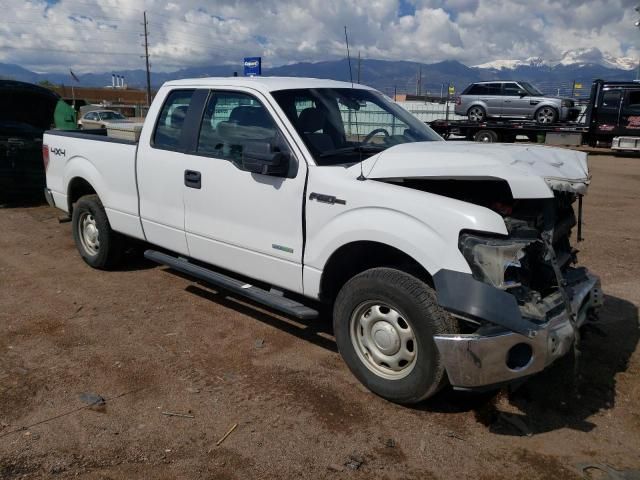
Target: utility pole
637, 24
420, 81
146, 58
358, 67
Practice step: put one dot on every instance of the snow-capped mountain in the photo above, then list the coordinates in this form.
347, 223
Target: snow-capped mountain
577, 57
513, 64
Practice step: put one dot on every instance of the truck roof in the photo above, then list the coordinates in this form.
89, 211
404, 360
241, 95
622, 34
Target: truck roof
265, 84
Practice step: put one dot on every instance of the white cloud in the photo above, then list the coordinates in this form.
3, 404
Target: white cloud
104, 35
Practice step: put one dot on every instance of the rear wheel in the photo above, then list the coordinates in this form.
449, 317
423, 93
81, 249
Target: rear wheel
98, 244
486, 136
546, 115
476, 114
384, 323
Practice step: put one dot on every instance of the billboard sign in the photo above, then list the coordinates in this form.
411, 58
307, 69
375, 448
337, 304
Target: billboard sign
252, 66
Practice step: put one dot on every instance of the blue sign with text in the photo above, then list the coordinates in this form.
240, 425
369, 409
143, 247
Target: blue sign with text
252, 66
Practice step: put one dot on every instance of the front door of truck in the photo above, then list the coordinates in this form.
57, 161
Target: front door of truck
609, 112
245, 222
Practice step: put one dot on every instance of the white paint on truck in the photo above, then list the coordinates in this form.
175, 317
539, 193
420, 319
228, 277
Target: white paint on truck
283, 229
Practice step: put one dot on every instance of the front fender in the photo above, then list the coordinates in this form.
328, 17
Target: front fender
390, 227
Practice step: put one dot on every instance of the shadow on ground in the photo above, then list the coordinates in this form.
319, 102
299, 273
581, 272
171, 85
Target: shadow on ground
557, 398
563, 396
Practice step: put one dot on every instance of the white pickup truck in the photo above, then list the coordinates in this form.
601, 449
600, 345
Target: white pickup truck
442, 261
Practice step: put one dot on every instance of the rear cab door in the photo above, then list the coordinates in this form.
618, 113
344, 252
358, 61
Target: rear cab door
161, 163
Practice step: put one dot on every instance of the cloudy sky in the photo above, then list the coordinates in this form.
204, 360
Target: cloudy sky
102, 35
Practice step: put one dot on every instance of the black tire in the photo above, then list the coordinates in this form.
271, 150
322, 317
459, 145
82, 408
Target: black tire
415, 301
476, 113
110, 244
546, 116
486, 136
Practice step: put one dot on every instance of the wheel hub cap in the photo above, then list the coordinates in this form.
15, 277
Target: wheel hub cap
89, 234
383, 340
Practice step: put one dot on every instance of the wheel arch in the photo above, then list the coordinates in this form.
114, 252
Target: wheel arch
358, 256
78, 187
477, 104
552, 106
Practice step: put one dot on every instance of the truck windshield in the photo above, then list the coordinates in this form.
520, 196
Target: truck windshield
344, 125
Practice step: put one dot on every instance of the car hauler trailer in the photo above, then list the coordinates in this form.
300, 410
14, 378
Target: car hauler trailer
612, 119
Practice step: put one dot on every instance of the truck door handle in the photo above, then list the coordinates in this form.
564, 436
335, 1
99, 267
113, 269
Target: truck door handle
192, 179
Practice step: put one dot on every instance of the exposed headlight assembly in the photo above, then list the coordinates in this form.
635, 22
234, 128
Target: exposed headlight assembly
495, 261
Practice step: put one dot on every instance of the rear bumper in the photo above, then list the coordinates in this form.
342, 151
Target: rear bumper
631, 144
474, 361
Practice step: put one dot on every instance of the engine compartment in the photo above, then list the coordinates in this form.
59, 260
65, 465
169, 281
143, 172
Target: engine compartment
536, 261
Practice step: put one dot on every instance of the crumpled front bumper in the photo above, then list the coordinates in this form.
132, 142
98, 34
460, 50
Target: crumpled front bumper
474, 360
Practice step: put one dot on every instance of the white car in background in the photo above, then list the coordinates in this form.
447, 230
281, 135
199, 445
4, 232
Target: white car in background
100, 119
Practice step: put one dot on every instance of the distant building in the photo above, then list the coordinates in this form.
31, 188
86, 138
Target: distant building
131, 102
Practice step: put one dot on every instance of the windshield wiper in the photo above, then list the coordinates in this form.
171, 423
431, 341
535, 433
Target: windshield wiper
354, 149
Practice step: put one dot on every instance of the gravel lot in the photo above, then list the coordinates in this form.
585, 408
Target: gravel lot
151, 341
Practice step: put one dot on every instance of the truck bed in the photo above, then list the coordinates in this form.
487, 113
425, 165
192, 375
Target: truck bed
107, 164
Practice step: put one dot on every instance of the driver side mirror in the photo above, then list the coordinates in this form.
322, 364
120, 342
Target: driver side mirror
522, 93
261, 158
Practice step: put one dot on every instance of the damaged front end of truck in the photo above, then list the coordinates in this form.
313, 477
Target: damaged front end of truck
525, 301
526, 298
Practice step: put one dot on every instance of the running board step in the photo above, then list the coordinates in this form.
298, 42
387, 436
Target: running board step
272, 300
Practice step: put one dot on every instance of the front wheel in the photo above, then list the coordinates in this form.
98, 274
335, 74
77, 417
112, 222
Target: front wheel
384, 322
99, 246
546, 116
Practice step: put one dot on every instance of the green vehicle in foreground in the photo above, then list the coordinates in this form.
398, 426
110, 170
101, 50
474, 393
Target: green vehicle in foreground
26, 111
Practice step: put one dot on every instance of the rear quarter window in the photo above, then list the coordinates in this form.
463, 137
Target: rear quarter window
168, 130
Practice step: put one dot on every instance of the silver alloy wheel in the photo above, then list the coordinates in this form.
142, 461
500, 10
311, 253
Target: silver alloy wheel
546, 115
89, 233
476, 114
383, 340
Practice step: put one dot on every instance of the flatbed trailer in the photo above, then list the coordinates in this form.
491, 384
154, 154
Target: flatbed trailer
612, 119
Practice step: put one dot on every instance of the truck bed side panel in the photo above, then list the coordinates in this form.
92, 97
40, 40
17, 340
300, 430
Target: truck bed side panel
109, 167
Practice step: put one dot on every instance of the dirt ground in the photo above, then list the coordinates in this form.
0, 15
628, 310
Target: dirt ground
150, 341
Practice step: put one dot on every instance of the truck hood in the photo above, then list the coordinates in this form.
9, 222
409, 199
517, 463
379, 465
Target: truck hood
531, 170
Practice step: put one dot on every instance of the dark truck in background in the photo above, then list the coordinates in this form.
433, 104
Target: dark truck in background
26, 111
611, 120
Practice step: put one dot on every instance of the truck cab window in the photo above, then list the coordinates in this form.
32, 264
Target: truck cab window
232, 122
611, 99
632, 105
171, 119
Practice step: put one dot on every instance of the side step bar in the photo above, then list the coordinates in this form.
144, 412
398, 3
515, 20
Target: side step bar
272, 300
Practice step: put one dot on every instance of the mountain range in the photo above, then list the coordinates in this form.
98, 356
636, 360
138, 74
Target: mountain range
553, 77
